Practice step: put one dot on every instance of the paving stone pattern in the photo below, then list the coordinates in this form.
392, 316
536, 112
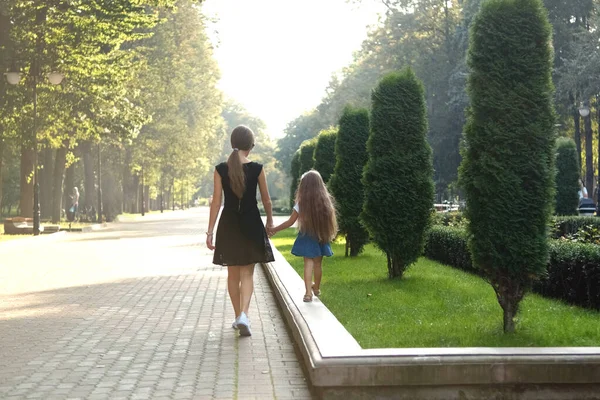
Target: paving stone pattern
136, 311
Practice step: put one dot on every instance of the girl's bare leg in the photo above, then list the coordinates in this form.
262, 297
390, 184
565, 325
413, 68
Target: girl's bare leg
318, 273
308, 272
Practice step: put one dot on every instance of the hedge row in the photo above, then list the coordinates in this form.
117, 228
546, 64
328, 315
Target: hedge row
563, 225
573, 271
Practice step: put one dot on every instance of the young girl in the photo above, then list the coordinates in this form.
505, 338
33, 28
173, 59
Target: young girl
317, 226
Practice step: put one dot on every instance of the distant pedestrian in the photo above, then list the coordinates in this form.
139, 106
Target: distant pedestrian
583, 193
72, 212
241, 238
317, 227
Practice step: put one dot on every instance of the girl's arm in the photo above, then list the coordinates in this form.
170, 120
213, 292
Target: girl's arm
265, 198
214, 210
291, 220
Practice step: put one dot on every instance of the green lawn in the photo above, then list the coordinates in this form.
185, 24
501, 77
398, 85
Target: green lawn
436, 306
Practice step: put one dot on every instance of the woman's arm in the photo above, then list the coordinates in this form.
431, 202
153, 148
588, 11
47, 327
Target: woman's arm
265, 198
214, 210
291, 220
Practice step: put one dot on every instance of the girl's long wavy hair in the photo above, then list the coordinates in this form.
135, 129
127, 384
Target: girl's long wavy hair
317, 210
242, 138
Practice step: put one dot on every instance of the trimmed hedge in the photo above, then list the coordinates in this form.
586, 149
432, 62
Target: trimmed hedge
572, 272
562, 225
448, 245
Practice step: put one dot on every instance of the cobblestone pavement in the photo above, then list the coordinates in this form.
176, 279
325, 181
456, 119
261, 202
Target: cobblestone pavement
136, 311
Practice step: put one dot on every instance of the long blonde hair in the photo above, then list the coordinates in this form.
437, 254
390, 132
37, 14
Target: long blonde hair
317, 211
242, 138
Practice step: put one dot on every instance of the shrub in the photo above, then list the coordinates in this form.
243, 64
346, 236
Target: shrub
567, 225
325, 153
455, 219
572, 273
398, 177
507, 170
567, 177
345, 183
448, 245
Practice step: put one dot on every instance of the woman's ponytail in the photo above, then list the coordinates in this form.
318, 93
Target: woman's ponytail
237, 179
242, 138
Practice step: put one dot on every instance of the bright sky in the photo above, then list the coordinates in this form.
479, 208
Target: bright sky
277, 56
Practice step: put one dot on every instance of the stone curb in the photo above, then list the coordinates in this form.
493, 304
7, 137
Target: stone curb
342, 371
95, 227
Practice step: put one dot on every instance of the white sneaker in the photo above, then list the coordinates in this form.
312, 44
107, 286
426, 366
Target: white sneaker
243, 325
234, 324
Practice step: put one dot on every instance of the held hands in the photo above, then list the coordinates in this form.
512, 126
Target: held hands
271, 230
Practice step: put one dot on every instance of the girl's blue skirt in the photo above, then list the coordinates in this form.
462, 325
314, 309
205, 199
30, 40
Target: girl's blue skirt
306, 246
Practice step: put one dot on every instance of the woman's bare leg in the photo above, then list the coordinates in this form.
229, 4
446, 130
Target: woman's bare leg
233, 287
247, 286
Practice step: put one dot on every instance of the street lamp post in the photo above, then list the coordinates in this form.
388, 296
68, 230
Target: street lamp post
55, 78
143, 197
99, 185
584, 111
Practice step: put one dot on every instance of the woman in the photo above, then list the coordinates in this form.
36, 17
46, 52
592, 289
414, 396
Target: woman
241, 239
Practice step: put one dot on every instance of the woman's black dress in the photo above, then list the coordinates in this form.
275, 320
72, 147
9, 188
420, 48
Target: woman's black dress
241, 237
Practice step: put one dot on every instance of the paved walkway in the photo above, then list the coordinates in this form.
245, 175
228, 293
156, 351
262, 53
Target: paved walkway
136, 311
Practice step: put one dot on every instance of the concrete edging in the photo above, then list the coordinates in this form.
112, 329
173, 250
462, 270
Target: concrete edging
338, 368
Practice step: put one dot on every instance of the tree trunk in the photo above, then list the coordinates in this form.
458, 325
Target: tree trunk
89, 183
509, 293
347, 245
354, 250
1, 168
26, 201
127, 183
58, 182
135, 195
395, 267
577, 122
595, 194
46, 180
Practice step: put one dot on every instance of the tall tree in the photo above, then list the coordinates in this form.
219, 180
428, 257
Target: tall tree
307, 155
508, 162
325, 153
295, 174
345, 183
398, 177
567, 177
